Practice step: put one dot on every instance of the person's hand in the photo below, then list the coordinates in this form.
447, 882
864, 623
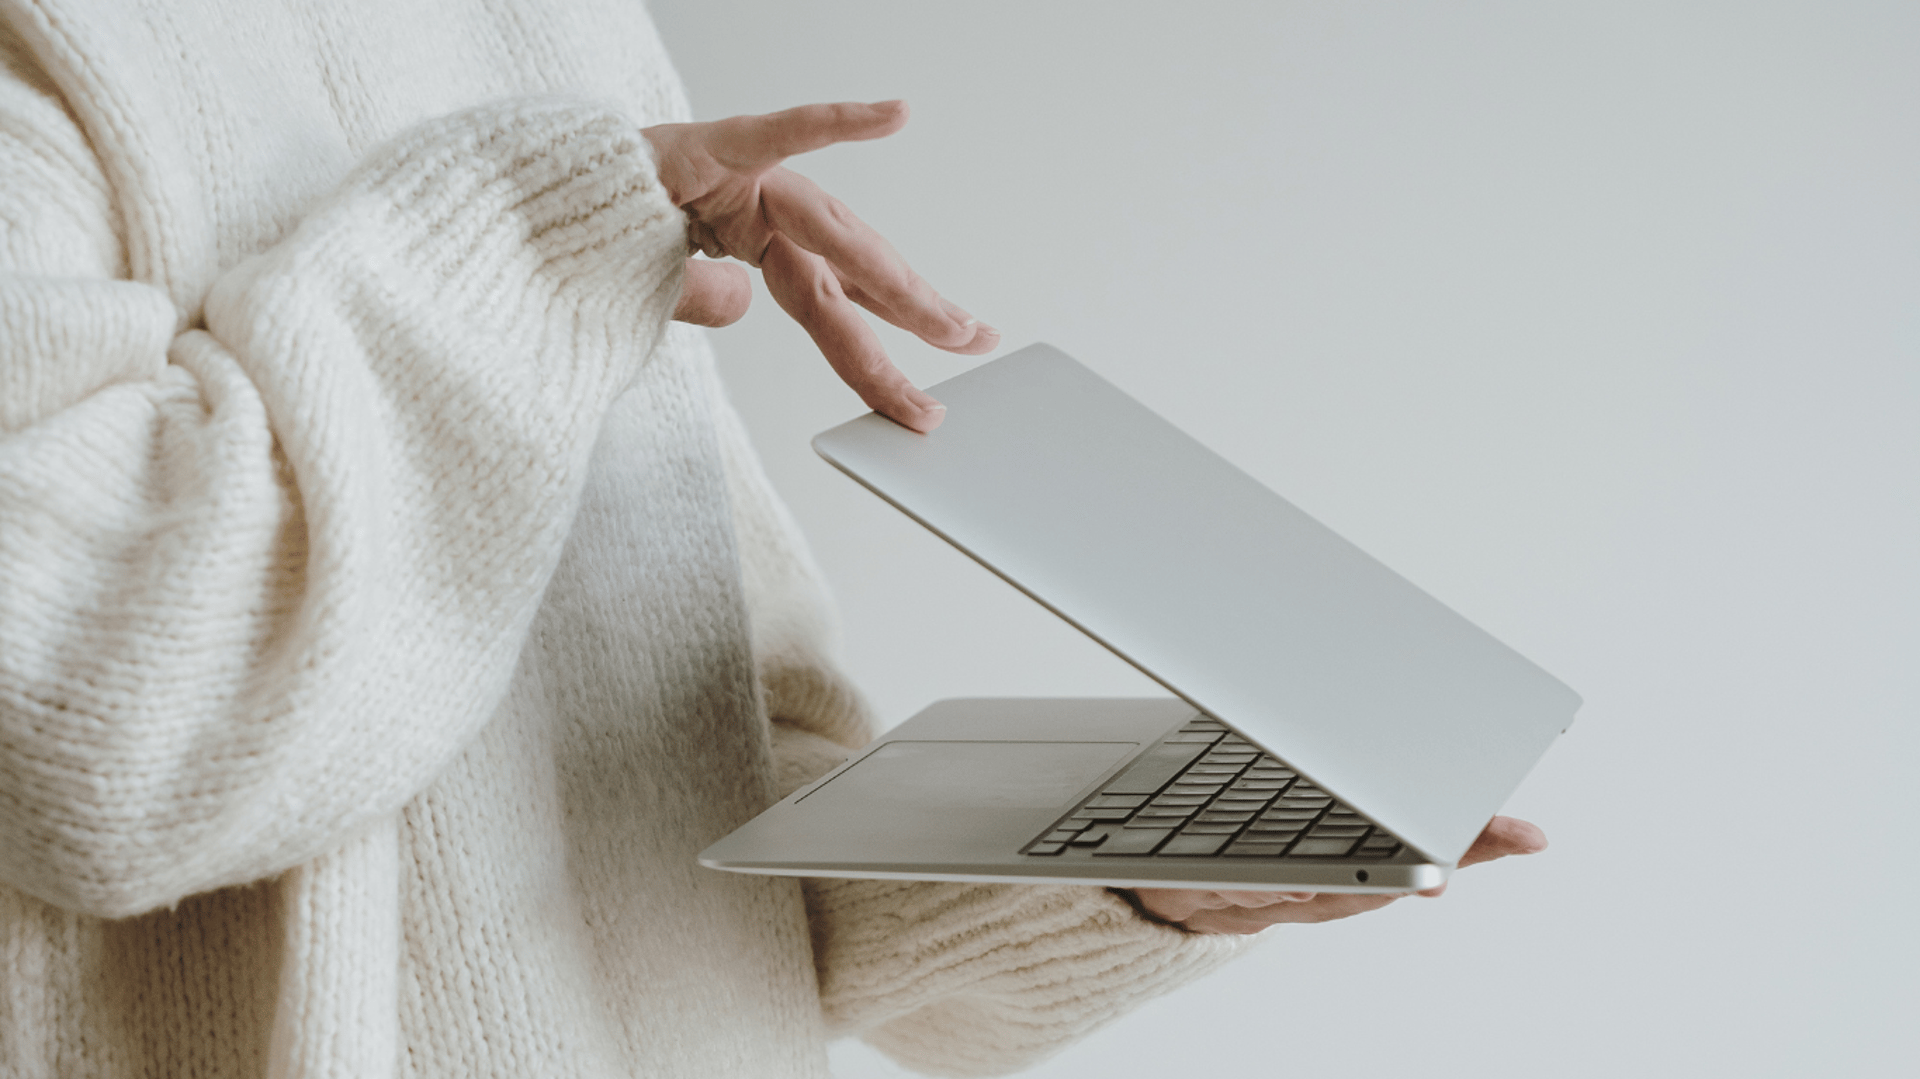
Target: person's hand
1249, 912
818, 259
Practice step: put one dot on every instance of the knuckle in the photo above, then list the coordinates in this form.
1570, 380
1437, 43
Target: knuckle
839, 213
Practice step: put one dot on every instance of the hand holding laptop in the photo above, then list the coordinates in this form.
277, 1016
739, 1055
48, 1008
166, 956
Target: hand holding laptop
1201, 911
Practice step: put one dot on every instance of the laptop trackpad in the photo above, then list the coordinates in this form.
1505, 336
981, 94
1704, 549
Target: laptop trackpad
984, 775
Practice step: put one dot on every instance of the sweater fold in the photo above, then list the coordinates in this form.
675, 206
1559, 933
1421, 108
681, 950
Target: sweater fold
316, 523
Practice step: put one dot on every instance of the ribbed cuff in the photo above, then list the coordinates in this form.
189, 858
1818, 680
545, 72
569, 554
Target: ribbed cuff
518, 204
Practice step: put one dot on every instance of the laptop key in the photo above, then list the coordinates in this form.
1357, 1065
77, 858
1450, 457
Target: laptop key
1274, 828
1205, 789
1134, 841
1321, 848
1151, 770
1194, 844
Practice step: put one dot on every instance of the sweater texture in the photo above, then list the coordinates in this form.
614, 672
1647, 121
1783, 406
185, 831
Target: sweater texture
391, 605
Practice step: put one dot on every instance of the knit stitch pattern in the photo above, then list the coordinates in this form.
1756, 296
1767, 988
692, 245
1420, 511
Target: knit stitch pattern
391, 606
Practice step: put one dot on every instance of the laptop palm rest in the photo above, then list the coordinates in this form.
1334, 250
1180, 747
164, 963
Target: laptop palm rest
961, 798
944, 776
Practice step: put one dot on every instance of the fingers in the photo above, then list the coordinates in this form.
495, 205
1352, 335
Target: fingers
1503, 836
1203, 911
695, 159
806, 289
867, 267
725, 174
818, 258
713, 294
981, 338
1263, 899
1323, 908
1250, 912
1175, 904
753, 143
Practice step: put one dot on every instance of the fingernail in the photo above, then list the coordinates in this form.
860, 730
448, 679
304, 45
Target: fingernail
988, 330
933, 408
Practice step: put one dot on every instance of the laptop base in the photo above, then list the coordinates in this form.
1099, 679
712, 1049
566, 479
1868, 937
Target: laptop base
962, 791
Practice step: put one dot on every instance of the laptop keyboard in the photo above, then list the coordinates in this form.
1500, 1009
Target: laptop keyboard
1204, 791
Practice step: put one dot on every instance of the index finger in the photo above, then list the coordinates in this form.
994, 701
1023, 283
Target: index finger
756, 143
869, 268
806, 289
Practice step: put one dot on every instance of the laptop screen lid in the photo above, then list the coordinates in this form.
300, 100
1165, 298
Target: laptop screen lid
1220, 590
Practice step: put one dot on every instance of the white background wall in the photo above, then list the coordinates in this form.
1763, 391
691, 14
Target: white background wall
1599, 321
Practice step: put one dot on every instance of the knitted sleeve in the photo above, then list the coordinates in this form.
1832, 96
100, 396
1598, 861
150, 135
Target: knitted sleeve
949, 979
980, 979
260, 580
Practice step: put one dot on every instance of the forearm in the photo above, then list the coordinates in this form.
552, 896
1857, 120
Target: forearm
257, 586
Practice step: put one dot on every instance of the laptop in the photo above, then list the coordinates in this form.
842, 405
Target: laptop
1329, 726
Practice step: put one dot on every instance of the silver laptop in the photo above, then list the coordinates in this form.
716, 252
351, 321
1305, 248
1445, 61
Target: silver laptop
1331, 727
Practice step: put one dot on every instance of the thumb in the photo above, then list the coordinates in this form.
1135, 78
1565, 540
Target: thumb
1503, 836
713, 294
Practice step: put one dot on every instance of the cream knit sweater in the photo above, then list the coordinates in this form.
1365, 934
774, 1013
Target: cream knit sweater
390, 604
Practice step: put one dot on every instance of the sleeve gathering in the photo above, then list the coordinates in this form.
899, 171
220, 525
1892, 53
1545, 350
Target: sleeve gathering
261, 578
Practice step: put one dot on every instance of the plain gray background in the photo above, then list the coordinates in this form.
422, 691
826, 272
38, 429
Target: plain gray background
1599, 321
